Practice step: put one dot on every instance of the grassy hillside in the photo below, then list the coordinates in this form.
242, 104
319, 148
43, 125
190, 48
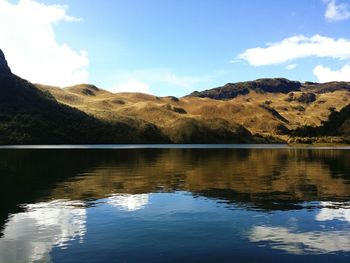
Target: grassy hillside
85, 114
276, 110
176, 117
31, 116
260, 111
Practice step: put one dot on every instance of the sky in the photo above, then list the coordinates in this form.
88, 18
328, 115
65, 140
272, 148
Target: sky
174, 47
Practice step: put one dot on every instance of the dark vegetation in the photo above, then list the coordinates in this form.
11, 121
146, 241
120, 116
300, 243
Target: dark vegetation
305, 98
338, 124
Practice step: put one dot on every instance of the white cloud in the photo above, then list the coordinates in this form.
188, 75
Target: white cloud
156, 78
180, 81
29, 42
297, 47
326, 74
291, 66
336, 12
161, 76
234, 61
131, 85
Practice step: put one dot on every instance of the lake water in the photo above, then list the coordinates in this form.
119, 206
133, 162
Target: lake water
219, 204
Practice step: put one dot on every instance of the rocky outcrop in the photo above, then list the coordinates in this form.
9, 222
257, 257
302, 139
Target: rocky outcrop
4, 68
328, 87
232, 90
273, 85
304, 97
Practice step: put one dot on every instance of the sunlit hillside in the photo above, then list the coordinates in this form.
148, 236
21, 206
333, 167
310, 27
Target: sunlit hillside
262, 112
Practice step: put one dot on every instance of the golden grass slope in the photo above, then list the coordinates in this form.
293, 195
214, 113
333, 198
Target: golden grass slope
261, 113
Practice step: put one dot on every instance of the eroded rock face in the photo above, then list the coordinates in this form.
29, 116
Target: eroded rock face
4, 68
232, 90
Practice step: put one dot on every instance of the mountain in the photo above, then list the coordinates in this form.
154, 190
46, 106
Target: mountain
267, 108
261, 111
272, 85
314, 111
32, 114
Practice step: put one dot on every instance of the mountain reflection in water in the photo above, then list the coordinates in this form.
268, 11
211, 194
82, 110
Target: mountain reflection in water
210, 204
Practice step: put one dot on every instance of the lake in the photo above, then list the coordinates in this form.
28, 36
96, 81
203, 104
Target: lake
180, 204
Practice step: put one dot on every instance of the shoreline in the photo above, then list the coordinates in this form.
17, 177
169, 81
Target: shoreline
176, 146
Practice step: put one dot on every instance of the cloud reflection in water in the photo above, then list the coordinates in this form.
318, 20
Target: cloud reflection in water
313, 242
30, 236
332, 211
129, 202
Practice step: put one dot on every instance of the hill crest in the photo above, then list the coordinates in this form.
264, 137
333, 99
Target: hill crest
269, 85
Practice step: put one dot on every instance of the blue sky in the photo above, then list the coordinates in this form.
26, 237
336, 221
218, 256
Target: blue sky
168, 47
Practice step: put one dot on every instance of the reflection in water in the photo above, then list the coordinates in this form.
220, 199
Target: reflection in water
241, 203
128, 202
334, 211
29, 236
314, 242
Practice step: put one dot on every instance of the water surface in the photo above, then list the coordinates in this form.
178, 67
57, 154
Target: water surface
157, 204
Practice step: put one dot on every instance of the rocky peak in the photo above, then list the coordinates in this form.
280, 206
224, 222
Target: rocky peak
4, 68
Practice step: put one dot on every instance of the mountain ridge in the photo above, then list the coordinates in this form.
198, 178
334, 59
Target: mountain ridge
269, 85
265, 113
33, 114
269, 110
